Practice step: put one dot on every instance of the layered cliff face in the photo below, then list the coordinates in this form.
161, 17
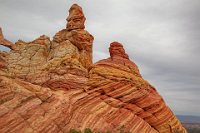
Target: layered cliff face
52, 86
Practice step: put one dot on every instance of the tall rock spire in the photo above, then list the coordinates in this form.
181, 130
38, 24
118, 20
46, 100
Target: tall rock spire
76, 18
76, 34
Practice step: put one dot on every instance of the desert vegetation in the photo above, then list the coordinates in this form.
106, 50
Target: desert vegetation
88, 130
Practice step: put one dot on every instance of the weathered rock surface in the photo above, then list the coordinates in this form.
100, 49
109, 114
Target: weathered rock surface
52, 86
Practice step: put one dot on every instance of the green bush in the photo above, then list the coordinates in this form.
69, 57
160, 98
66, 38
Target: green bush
74, 131
87, 130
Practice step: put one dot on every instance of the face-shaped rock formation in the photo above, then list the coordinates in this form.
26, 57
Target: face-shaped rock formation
52, 86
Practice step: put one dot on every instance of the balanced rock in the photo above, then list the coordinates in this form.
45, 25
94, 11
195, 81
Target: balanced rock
76, 18
52, 86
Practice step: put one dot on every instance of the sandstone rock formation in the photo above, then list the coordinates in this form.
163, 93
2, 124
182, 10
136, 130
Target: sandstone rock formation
52, 86
4, 41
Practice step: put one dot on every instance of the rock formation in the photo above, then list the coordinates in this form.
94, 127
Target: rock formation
4, 41
52, 86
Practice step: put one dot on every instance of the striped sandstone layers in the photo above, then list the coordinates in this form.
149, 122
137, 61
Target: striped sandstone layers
120, 84
52, 86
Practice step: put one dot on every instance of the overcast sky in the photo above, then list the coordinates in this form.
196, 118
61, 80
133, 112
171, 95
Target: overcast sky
161, 36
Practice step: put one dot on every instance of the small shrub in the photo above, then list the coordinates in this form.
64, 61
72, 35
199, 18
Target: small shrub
87, 130
74, 131
122, 129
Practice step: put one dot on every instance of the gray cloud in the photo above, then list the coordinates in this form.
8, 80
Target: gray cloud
161, 36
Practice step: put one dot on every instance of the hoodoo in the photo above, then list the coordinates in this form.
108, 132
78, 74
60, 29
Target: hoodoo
53, 86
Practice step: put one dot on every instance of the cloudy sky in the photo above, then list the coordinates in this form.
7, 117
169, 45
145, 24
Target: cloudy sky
161, 36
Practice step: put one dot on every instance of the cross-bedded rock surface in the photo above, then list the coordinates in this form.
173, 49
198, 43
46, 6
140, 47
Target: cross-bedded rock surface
52, 86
